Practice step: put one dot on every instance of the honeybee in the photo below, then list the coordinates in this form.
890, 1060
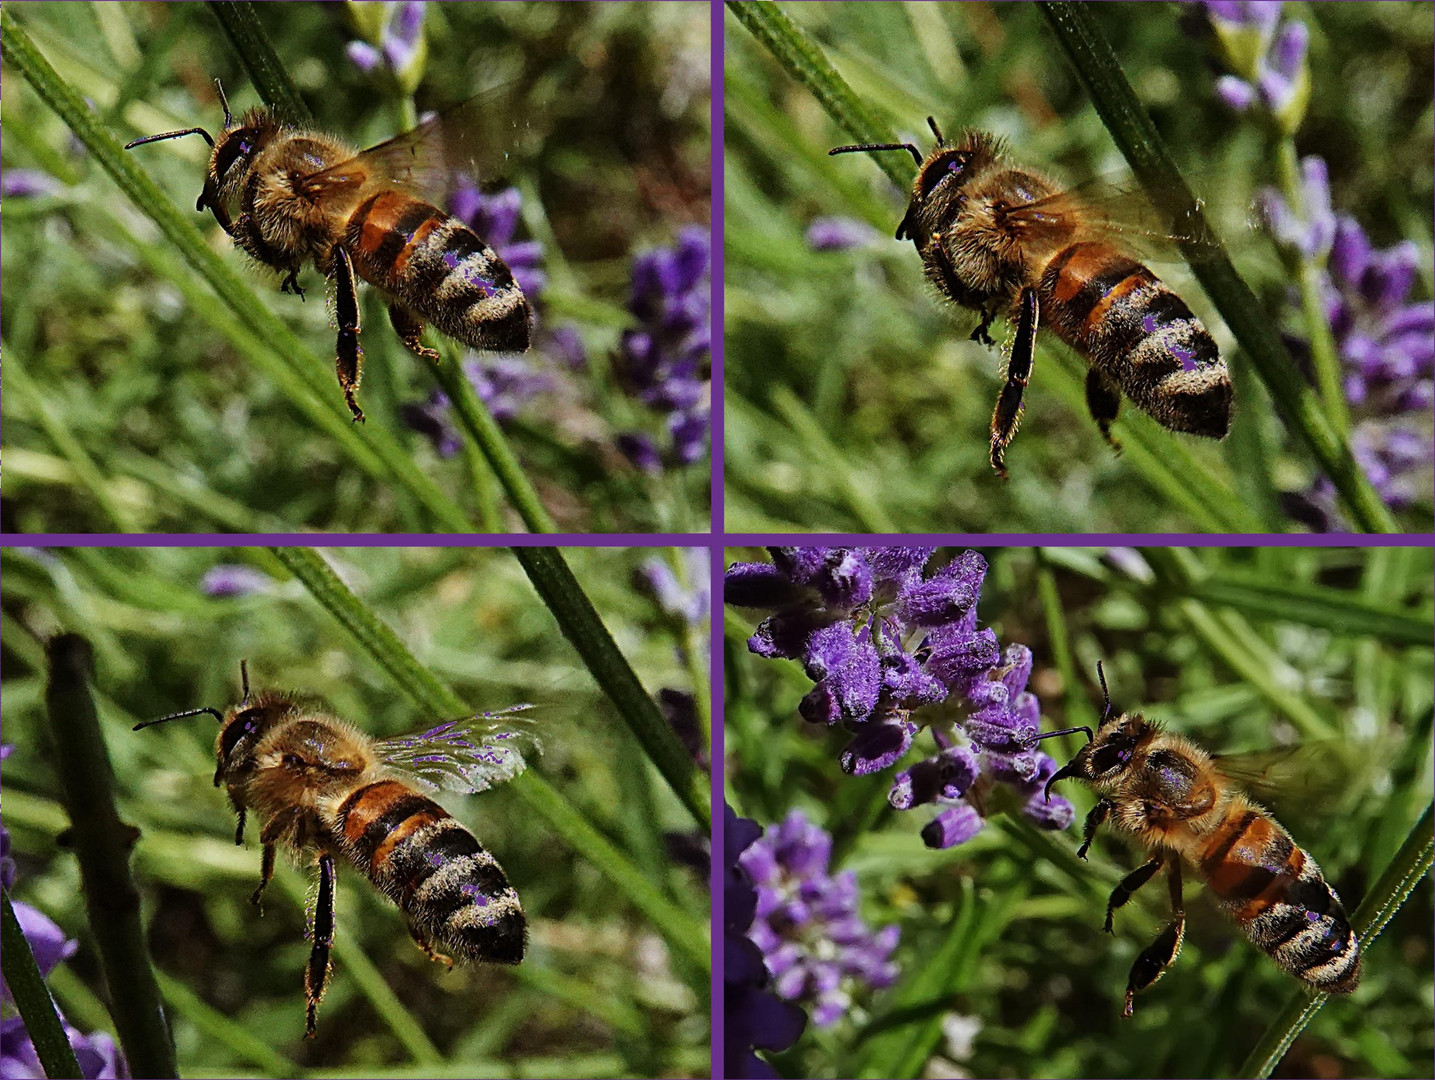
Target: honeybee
324, 789
305, 195
1169, 793
1002, 239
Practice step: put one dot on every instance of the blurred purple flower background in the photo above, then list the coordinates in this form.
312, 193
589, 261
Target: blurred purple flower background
813, 941
893, 649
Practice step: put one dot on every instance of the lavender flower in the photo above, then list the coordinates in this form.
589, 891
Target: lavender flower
664, 361
97, 1055
1267, 61
1386, 343
231, 579
839, 234
393, 41
812, 938
47, 941
755, 1018
691, 602
27, 183
890, 650
1312, 233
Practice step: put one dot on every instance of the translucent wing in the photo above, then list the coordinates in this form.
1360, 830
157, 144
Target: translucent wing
473, 754
470, 138
1118, 213
1313, 779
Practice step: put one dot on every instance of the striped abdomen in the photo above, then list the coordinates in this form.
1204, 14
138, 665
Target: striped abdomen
440, 268
1276, 893
1134, 329
452, 890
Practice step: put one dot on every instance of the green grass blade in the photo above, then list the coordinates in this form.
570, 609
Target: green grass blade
1134, 133
246, 34
581, 625
224, 1031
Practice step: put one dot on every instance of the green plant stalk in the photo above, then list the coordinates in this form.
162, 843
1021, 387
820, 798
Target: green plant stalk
87, 474
1077, 704
220, 1029
483, 429
17, 49
1134, 133
1411, 863
559, 589
1325, 358
684, 933
1329, 609
102, 844
266, 71
803, 59
32, 998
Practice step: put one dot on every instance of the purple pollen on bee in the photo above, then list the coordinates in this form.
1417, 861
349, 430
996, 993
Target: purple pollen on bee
1189, 360
475, 893
1148, 323
453, 260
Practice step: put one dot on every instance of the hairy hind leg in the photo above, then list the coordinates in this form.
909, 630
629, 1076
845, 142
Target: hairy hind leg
421, 939
1153, 961
1103, 401
321, 931
410, 329
349, 362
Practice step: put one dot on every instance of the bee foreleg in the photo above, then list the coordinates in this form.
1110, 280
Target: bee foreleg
421, 939
980, 333
316, 974
1161, 953
1128, 885
266, 873
349, 363
1103, 401
410, 329
1007, 415
1092, 823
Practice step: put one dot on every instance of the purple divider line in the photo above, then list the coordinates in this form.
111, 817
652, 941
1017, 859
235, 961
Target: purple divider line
332, 540
715, 540
1196, 540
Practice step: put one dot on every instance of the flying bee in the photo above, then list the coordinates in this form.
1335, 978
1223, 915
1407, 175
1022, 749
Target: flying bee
325, 790
1169, 793
304, 195
1002, 239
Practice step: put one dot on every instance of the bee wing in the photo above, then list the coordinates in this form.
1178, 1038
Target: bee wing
1312, 779
1120, 214
468, 755
429, 158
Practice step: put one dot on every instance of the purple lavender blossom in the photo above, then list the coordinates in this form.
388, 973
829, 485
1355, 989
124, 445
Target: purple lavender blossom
813, 941
1386, 343
1312, 233
755, 1018
664, 360
892, 649
27, 183
1267, 59
396, 44
97, 1055
689, 602
47, 941
233, 579
839, 234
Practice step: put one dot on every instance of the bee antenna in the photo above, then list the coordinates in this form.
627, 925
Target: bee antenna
916, 154
179, 716
171, 135
244, 681
228, 119
1101, 675
932, 123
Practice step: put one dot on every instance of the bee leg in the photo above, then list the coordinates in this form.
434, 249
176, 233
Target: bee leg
1128, 885
410, 329
350, 360
988, 314
1007, 415
321, 932
266, 873
239, 831
423, 943
291, 283
1103, 401
1161, 953
1093, 822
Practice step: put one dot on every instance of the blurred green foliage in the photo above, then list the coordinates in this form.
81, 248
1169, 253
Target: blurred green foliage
854, 399
1001, 945
600, 992
600, 118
